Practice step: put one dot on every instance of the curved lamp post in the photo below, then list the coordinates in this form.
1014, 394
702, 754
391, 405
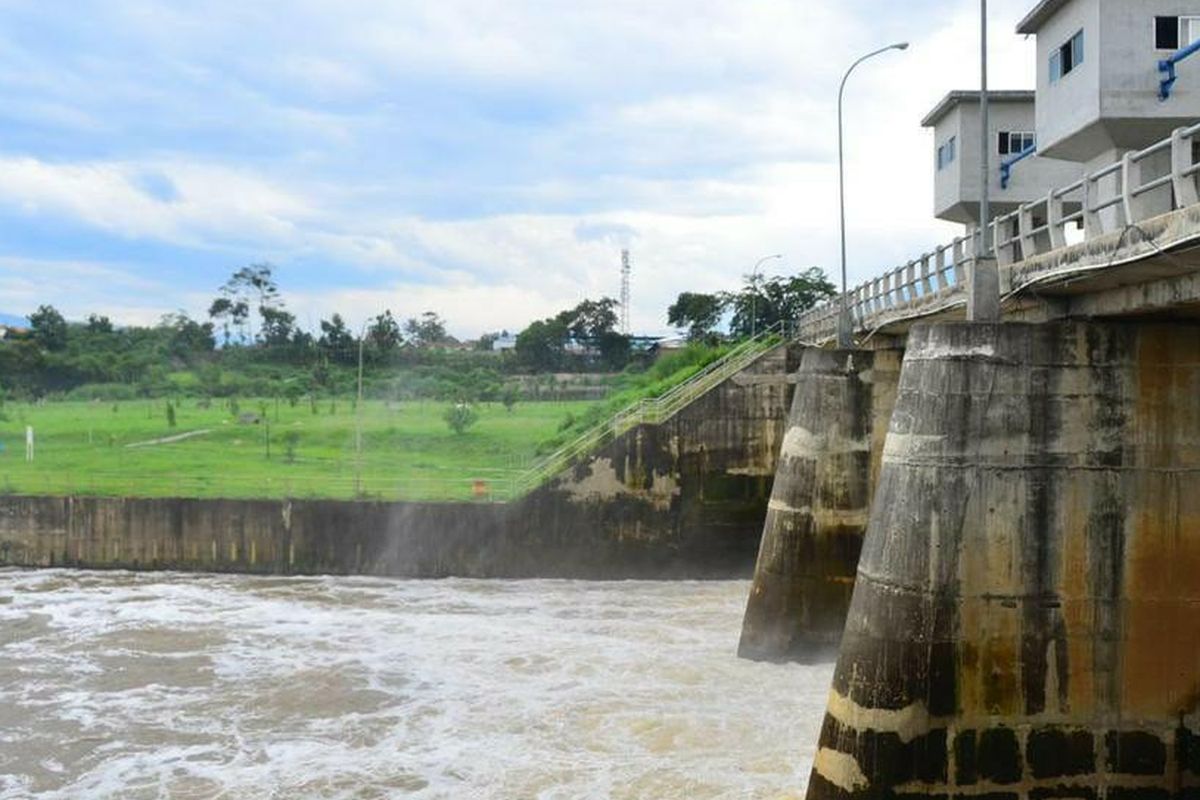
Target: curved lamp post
754, 296
843, 332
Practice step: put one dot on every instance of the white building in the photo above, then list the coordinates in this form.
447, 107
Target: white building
503, 343
1011, 136
1098, 75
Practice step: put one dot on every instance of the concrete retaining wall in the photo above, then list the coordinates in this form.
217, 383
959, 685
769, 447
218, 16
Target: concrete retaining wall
683, 499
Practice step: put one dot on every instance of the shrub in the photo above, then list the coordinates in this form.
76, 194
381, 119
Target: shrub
459, 417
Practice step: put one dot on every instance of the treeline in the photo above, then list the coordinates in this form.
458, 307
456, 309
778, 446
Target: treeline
251, 345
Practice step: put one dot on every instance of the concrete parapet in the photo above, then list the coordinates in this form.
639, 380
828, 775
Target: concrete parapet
818, 508
1026, 617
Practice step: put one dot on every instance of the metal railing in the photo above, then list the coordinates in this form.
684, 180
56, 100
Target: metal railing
925, 284
1126, 192
652, 411
1143, 184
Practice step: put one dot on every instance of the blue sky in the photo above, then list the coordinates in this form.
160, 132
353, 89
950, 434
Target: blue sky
487, 160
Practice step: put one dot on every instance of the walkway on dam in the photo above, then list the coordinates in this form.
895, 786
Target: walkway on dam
1138, 232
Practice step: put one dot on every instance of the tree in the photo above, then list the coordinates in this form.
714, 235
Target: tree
591, 319
187, 338
98, 324
761, 304
699, 313
540, 347
337, 339
231, 314
49, 328
509, 396
252, 286
615, 350
384, 333
459, 417
426, 331
278, 326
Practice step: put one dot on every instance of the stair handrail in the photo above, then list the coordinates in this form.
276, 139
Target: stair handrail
653, 410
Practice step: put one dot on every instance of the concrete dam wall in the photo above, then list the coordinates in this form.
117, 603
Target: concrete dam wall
684, 499
1025, 621
817, 515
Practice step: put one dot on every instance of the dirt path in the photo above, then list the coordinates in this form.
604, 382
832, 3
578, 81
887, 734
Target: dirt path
179, 437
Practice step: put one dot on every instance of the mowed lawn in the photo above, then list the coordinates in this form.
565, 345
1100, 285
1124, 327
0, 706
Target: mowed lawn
408, 451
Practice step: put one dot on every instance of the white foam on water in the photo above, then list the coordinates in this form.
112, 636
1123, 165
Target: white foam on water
171, 685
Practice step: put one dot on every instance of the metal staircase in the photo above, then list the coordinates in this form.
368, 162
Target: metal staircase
651, 411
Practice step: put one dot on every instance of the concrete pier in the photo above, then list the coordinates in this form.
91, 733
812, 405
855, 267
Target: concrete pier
1026, 616
817, 513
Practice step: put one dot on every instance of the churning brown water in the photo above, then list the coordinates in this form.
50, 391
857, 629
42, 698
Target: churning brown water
200, 686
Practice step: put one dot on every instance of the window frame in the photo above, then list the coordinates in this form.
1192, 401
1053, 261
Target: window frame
1181, 40
1185, 19
1154, 19
1058, 68
1005, 139
946, 153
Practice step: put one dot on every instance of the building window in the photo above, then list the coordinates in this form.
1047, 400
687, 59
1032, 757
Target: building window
1066, 58
1173, 33
1015, 142
945, 153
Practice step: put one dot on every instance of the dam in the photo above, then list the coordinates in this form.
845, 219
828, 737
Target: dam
955, 510
1014, 509
986, 510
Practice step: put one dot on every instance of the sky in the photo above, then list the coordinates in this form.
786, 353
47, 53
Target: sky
484, 159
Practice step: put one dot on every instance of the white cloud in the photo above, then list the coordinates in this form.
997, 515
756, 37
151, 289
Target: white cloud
79, 288
702, 134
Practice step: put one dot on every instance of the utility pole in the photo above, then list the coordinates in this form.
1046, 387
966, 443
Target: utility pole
985, 211
358, 410
983, 284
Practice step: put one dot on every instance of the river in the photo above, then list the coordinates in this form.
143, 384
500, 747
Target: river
151, 685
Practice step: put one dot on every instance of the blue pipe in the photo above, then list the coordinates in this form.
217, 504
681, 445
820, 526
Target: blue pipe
1007, 164
1167, 68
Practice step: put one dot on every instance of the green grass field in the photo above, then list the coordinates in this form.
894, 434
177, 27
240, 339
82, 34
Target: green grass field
408, 451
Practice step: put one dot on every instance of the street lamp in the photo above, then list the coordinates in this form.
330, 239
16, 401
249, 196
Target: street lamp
754, 293
843, 333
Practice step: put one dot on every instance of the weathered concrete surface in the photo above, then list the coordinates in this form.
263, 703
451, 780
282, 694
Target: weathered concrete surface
819, 504
1026, 617
265, 536
684, 499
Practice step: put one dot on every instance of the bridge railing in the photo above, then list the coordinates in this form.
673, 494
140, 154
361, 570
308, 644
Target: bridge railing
1142, 184
654, 410
924, 283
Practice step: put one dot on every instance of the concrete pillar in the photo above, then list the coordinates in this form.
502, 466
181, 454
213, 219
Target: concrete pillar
1024, 621
983, 290
817, 513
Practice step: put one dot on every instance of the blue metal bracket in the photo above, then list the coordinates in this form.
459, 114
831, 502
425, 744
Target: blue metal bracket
1167, 68
1007, 164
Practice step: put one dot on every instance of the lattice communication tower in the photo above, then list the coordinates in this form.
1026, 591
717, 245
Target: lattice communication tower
626, 270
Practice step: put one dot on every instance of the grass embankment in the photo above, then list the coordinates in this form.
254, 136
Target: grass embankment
214, 450
408, 452
628, 388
